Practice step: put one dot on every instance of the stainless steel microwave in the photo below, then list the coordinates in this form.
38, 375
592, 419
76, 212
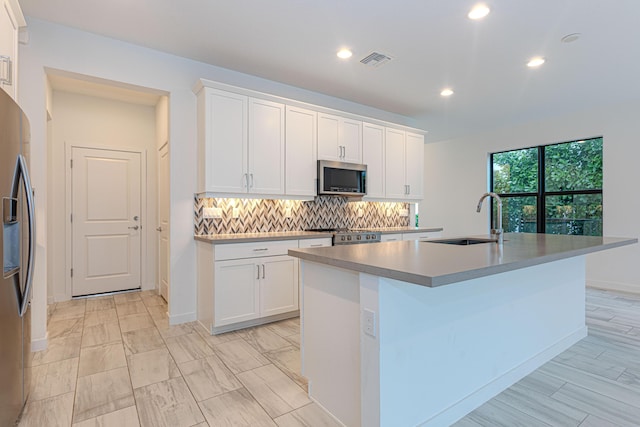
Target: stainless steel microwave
341, 179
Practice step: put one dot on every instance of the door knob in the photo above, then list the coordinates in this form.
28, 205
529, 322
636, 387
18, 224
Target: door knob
158, 228
135, 227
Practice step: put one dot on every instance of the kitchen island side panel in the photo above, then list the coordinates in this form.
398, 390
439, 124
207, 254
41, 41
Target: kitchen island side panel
330, 341
444, 351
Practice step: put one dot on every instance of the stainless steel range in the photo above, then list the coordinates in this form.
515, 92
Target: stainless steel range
344, 236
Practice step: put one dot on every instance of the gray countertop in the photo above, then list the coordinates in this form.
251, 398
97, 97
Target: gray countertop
391, 230
259, 237
292, 235
433, 264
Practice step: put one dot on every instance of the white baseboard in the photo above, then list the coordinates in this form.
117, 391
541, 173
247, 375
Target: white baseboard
182, 318
609, 286
40, 344
474, 400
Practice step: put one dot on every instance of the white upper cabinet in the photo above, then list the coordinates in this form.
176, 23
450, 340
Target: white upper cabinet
339, 138
242, 144
395, 184
404, 160
223, 124
260, 145
266, 147
11, 19
301, 141
414, 149
373, 155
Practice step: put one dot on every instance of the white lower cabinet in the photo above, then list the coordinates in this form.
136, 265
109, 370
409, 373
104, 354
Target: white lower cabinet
245, 284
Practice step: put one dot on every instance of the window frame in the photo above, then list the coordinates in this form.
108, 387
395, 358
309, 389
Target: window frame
540, 195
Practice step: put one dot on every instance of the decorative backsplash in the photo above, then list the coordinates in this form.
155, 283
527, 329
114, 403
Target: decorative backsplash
262, 215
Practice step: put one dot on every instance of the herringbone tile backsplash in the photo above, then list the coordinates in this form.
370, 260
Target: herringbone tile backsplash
261, 215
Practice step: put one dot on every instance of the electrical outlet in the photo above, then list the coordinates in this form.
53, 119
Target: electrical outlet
212, 213
369, 322
404, 212
235, 213
360, 212
287, 213
388, 212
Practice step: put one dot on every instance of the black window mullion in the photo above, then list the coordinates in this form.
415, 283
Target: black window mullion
542, 204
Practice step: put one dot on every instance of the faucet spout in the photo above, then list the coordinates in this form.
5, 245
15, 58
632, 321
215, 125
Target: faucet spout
498, 232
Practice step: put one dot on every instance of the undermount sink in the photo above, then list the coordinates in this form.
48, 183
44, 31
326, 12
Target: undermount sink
463, 241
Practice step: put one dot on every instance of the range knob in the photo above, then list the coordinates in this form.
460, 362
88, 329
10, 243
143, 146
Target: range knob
349, 238
342, 238
358, 237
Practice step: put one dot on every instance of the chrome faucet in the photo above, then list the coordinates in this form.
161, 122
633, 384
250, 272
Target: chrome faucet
498, 232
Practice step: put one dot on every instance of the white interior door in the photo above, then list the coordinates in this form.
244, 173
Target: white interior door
106, 223
163, 219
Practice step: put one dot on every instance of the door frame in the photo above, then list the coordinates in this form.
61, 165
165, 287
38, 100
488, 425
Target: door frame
144, 219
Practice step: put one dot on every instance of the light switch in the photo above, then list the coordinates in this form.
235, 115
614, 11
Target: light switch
212, 213
369, 322
404, 212
236, 213
287, 213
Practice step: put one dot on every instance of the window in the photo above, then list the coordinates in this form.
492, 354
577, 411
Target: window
555, 189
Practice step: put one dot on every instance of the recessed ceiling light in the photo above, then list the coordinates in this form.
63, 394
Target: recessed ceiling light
570, 38
479, 11
344, 53
535, 62
446, 92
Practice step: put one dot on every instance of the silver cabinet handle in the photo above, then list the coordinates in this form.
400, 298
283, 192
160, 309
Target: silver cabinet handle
245, 180
135, 227
158, 228
263, 271
408, 189
316, 246
251, 180
7, 77
258, 266
260, 249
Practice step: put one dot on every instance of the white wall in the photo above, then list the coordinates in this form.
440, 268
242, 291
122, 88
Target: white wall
62, 48
456, 175
89, 121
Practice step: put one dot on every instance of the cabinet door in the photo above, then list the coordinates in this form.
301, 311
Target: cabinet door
300, 148
278, 285
236, 292
373, 157
351, 140
395, 185
329, 137
8, 48
225, 142
266, 147
414, 166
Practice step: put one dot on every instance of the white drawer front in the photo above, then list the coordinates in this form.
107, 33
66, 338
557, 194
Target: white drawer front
253, 249
315, 243
391, 237
422, 236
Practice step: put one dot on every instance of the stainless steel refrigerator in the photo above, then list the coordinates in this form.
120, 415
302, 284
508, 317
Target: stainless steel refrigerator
17, 254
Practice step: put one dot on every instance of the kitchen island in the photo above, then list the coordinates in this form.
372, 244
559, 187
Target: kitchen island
421, 333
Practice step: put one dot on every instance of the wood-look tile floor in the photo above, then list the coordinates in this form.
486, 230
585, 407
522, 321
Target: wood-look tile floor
115, 361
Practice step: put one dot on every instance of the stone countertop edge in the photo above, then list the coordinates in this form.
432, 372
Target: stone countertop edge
424, 278
260, 237
293, 235
391, 230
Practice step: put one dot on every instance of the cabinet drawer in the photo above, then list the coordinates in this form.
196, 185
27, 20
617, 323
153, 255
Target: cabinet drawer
425, 235
315, 243
253, 249
391, 237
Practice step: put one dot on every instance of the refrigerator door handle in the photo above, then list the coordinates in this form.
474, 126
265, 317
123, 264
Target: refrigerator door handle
22, 172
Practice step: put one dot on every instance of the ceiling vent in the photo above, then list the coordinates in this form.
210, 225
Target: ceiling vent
375, 59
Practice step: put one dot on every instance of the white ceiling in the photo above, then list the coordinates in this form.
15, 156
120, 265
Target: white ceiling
432, 42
